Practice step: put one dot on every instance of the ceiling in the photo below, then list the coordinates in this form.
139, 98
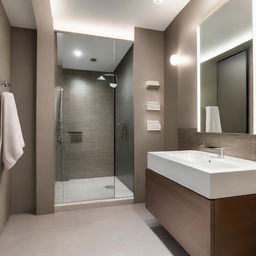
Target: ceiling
108, 18
113, 18
108, 52
20, 13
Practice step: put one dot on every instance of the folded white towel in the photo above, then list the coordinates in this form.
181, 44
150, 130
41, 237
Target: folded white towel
153, 125
11, 139
213, 123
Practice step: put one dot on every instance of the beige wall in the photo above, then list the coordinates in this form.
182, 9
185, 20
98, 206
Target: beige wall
5, 46
170, 91
23, 79
45, 110
148, 65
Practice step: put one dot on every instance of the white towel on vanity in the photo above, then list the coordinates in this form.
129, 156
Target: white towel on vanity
11, 139
213, 123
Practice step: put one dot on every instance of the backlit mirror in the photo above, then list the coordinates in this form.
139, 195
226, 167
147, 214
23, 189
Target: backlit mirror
225, 73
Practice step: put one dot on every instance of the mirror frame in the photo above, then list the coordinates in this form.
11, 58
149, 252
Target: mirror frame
254, 68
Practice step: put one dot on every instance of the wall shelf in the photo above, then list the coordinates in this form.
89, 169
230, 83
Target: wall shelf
153, 106
153, 125
152, 85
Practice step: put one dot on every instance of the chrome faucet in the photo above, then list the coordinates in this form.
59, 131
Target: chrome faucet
220, 150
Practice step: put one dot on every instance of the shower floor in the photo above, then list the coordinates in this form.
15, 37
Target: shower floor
78, 190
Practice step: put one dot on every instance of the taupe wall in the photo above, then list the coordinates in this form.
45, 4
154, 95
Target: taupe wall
148, 65
23, 79
45, 111
180, 37
5, 50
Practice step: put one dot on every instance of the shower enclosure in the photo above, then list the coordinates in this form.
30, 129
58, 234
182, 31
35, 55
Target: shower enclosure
94, 118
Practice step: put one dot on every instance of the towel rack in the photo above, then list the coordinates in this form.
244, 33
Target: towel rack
4, 83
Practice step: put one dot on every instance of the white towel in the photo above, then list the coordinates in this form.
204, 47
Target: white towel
11, 139
213, 123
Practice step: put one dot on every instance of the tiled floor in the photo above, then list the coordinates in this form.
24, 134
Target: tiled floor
79, 190
110, 231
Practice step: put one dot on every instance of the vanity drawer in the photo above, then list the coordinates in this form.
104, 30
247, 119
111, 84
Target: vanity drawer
204, 227
185, 214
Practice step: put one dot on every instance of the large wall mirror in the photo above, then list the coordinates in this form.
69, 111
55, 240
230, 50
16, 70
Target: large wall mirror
225, 73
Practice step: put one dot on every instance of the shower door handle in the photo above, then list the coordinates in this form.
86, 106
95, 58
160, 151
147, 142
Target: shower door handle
122, 130
59, 132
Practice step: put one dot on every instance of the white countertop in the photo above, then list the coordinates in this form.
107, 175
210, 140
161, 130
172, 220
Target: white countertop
205, 173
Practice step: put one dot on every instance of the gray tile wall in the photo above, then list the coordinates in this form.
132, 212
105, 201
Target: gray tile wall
88, 107
237, 145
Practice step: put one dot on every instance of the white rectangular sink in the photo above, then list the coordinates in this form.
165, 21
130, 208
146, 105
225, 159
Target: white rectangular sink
205, 173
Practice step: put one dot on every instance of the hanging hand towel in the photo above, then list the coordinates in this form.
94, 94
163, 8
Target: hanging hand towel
213, 123
11, 139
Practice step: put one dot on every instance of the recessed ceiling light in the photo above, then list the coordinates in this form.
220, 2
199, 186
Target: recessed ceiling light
158, 1
77, 53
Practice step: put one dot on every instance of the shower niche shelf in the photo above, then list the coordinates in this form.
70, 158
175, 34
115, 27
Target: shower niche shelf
76, 137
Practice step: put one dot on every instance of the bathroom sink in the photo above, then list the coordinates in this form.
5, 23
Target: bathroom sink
205, 173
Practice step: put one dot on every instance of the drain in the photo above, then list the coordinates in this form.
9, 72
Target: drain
109, 187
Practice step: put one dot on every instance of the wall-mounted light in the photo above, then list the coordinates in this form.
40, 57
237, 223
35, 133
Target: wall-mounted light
175, 60
77, 53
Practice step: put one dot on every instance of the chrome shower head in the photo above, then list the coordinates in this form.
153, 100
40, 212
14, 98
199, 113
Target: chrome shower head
101, 78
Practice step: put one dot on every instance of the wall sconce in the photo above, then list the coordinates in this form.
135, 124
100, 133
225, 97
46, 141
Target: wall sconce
175, 60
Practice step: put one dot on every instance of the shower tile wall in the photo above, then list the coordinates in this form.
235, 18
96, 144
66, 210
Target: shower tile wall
88, 126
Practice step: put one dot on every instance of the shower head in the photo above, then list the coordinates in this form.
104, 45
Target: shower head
113, 76
113, 85
101, 78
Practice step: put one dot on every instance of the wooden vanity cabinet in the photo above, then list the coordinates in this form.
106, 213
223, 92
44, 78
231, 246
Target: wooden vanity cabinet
220, 227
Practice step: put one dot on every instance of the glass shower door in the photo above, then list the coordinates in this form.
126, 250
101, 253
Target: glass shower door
87, 147
86, 160
95, 76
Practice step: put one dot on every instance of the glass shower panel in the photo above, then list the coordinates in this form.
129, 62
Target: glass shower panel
88, 143
86, 129
124, 121
94, 117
